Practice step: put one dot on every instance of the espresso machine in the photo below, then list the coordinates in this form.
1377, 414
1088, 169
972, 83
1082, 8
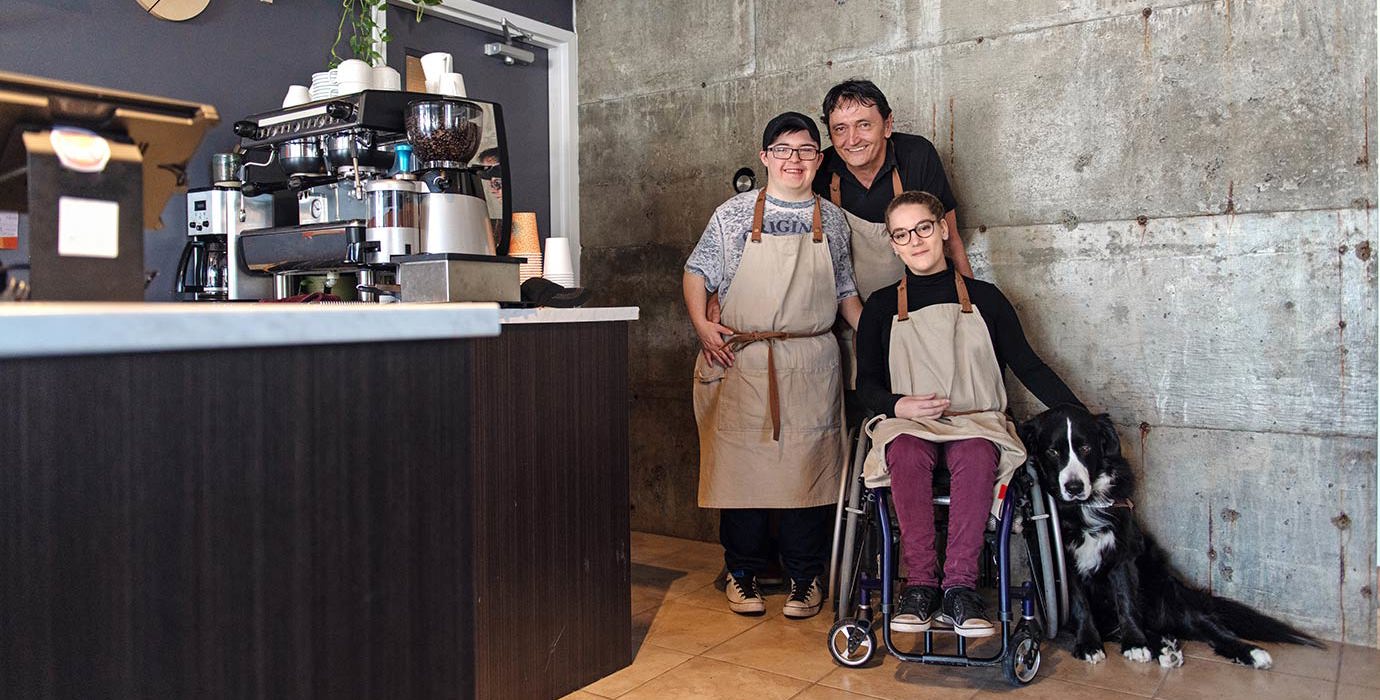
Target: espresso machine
364, 224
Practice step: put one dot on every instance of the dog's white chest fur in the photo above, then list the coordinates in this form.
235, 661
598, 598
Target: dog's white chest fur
1087, 556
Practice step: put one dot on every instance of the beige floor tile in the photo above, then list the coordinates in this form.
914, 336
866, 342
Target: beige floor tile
651, 662
1051, 689
647, 547
1117, 673
779, 646
642, 624
1292, 659
701, 678
894, 680
1354, 692
1199, 679
820, 692
1360, 666
670, 582
645, 597
581, 695
692, 629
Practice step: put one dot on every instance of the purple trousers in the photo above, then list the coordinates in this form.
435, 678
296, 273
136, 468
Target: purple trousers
972, 468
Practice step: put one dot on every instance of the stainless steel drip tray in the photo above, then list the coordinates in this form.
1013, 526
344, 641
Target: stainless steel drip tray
443, 277
307, 247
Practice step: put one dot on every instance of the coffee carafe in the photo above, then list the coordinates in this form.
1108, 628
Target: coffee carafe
202, 270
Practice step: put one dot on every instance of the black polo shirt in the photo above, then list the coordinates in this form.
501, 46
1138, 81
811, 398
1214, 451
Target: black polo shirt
921, 169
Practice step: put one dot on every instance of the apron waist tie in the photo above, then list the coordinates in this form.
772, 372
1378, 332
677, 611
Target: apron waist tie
738, 341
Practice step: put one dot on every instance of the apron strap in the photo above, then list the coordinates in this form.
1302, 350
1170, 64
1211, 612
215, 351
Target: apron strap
902, 302
836, 197
738, 341
963, 299
757, 211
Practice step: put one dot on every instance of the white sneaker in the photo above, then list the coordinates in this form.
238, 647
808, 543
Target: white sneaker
806, 598
743, 596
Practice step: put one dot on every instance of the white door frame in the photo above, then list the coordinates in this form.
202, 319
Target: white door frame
563, 100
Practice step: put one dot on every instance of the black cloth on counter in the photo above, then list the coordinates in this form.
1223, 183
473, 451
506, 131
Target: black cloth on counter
1009, 341
921, 169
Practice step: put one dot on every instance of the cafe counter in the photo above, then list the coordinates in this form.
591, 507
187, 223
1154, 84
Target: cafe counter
233, 500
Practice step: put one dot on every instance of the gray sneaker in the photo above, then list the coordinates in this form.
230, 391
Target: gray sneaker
806, 598
916, 609
743, 596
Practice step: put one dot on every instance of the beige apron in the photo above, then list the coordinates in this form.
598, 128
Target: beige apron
874, 265
945, 349
771, 425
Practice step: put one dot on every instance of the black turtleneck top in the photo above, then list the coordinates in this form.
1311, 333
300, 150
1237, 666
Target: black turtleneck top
1013, 350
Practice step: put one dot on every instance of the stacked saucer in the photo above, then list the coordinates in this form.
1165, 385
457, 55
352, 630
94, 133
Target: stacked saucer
324, 85
526, 243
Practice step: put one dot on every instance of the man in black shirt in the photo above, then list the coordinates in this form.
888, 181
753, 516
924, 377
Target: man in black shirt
857, 174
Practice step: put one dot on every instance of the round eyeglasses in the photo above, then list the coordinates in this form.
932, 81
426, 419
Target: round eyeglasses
921, 230
784, 152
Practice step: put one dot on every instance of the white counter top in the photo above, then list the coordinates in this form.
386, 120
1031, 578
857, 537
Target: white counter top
34, 329
582, 315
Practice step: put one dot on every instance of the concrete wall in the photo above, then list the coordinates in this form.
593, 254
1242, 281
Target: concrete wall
1178, 197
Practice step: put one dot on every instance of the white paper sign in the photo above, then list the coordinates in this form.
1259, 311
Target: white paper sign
88, 228
9, 224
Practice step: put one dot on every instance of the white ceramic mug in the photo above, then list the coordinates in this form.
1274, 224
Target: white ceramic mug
451, 85
296, 95
354, 71
386, 78
434, 65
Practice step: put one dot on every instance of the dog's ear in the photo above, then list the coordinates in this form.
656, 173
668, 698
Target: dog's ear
1029, 433
1111, 442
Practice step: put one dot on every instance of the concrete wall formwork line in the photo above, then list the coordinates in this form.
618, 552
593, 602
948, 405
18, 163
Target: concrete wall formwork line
1177, 196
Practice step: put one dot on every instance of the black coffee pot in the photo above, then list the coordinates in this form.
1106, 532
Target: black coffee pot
201, 272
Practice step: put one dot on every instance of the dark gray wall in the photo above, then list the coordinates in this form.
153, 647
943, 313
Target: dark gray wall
522, 90
238, 55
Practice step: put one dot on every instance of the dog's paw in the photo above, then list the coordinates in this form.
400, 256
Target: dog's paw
1092, 655
1139, 655
1171, 656
1261, 659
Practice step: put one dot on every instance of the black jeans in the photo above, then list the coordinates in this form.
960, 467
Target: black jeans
803, 539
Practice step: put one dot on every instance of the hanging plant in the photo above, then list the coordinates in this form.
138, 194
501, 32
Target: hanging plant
360, 15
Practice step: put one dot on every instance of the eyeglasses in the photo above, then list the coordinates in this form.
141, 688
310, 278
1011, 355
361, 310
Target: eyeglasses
784, 152
923, 230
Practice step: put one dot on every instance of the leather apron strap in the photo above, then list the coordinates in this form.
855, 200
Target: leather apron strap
742, 339
836, 197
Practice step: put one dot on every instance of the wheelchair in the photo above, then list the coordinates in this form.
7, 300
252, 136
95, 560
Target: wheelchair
863, 573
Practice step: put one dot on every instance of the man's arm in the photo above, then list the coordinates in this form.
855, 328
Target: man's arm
954, 246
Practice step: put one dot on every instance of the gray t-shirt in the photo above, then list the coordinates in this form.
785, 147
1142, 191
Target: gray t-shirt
720, 249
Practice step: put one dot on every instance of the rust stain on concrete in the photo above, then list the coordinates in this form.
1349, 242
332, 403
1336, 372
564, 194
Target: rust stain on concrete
1364, 160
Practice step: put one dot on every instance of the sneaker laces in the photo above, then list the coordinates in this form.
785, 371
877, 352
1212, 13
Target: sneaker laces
917, 600
800, 589
966, 604
747, 585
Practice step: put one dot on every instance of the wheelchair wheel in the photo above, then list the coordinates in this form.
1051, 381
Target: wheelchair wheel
1023, 658
852, 534
852, 642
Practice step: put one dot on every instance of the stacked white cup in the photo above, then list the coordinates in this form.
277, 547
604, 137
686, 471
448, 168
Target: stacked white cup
557, 262
354, 76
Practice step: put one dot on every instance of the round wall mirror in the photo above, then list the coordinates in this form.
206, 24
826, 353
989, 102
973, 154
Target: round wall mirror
174, 10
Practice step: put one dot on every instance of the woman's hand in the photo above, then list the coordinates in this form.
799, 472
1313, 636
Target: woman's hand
712, 342
921, 407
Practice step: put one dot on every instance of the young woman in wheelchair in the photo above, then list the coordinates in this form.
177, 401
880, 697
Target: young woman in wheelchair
931, 352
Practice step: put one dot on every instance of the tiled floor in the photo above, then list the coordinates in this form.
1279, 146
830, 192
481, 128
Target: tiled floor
689, 646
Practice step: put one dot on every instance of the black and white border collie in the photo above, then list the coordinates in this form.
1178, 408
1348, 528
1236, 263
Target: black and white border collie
1121, 581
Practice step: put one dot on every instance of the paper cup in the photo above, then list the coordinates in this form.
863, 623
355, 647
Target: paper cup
557, 258
434, 65
525, 241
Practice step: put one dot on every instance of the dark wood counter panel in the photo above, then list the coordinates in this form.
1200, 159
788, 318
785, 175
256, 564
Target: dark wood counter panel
427, 519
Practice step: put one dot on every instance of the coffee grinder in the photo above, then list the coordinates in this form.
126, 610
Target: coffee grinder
445, 134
